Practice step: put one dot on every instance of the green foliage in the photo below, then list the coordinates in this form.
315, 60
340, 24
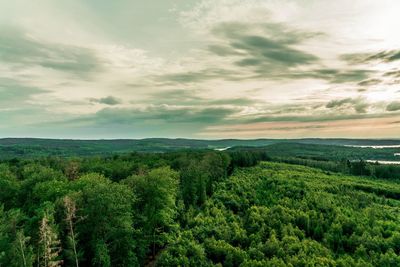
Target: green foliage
21, 254
286, 215
107, 224
194, 184
184, 252
325, 152
9, 186
14, 245
156, 192
198, 208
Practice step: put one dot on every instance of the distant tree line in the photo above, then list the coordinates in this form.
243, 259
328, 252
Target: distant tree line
353, 167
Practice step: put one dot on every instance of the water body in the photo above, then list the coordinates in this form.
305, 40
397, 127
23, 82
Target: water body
388, 162
222, 149
381, 147
376, 147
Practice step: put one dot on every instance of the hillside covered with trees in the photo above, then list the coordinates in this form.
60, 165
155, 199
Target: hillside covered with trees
194, 208
34, 147
283, 215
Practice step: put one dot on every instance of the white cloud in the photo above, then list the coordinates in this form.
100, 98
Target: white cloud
132, 63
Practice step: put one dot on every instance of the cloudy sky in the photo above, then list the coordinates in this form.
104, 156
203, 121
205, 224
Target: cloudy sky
199, 69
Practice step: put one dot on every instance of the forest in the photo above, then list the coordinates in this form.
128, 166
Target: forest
240, 207
316, 147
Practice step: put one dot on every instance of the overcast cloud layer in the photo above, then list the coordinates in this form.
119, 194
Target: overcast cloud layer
199, 69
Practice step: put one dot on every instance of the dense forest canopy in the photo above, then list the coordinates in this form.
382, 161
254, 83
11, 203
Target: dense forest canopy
198, 208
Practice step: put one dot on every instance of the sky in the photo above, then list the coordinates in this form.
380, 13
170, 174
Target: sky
205, 69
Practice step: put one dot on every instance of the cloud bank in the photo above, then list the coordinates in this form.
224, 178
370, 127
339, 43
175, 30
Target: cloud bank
201, 69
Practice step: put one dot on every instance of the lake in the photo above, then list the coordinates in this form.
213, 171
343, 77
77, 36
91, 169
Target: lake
381, 147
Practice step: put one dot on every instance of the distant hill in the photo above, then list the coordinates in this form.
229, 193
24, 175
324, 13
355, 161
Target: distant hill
29, 147
324, 152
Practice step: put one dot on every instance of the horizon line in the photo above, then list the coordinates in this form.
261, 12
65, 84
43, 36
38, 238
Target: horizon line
199, 139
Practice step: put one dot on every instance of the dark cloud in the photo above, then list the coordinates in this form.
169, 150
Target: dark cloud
271, 48
207, 74
265, 51
267, 129
175, 96
160, 115
222, 51
14, 94
315, 118
338, 103
383, 56
358, 104
370, 82
394, 106
279, 32
207, 115
181, 97
393, 73
18, 107
151, 121
292, 109
355, 58
331, 75
360, 107
307, 127
21, 50
273, 56
109, 100
260, 50
343, 76
234, 101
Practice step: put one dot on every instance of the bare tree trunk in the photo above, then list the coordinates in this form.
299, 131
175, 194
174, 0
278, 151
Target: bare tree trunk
21, 246
73, 244
70, 216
